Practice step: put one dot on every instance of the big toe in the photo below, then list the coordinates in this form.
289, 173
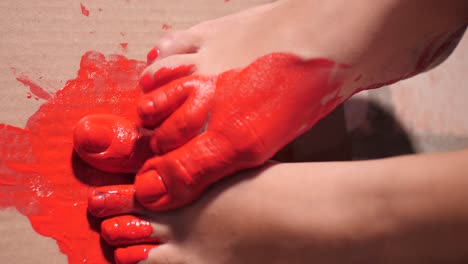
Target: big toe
111, 143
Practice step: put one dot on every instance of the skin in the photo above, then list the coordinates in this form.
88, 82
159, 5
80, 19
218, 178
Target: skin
340, 228
189, 114
111, 143
409, 209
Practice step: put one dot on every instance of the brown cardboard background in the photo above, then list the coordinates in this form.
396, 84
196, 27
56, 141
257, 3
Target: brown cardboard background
45, 40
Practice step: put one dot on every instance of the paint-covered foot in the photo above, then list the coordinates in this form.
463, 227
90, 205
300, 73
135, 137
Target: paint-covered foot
261, 216
111, 143
227, 94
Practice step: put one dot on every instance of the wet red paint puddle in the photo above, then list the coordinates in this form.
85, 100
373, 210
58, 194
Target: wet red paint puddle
42, 177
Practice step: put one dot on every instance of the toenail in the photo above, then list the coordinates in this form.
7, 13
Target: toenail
150, 187
96, 202
152, 55
146, 82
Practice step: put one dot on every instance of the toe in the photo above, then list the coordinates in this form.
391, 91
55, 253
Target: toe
128, 230
185, 123
180, 176
111, 143
112, 200
132, 254
159, 104
166, 70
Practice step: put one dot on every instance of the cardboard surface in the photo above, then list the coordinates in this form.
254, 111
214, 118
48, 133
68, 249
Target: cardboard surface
44, 40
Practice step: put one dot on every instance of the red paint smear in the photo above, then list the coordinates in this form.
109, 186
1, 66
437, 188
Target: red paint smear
124, 46
40, 175
166, 27
84, 11
34, 88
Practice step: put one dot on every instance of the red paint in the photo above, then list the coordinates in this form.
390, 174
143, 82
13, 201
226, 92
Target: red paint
127, 229
34, 88
124, 46
244, 111
133, 254
111, 143
166, 27
40, 175
84, 10
28, 95
164, 76
112, 200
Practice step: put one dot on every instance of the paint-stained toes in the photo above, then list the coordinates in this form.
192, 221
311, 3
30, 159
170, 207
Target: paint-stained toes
111, 143
166, 70
132, 254
112, 200
127, 230
158, 105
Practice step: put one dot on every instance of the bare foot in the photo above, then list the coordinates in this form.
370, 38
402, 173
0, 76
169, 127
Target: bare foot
111, 143
301, 59
381, 42
266, 215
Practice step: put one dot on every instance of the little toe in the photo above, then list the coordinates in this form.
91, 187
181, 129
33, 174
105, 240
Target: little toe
130, 230
113, 200
133, 254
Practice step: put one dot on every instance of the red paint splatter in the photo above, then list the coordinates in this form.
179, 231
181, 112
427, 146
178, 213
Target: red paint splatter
42, 177
166, 27
28, 95
34, 88
124, 46
84, 10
